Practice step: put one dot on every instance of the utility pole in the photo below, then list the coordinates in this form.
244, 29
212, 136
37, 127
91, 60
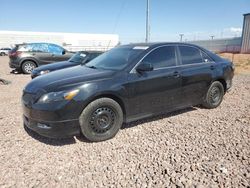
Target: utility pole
181, 36
147, 23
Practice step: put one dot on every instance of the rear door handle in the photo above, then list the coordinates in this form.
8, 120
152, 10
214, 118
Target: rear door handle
176, 74
212, 67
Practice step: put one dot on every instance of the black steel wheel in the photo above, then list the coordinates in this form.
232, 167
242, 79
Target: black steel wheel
101, 119
214, 95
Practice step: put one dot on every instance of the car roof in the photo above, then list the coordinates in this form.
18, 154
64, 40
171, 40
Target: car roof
35, 43
89, 52
155, 44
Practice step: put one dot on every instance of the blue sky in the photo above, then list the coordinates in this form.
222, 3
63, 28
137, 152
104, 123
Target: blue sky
196, 19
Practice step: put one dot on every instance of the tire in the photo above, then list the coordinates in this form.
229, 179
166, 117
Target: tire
2, 54
28, 67
214, 95
101, 119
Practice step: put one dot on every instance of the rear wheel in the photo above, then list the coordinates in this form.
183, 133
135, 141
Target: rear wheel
101, 119
214, 95
28, 67
2, 54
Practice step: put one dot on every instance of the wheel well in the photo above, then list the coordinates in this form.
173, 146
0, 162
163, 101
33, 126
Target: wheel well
223, 82
28, 60
115, 98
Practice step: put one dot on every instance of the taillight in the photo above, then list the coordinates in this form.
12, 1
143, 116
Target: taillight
14, 54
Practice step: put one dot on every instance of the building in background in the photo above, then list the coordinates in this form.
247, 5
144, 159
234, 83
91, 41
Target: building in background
245, 47
70, 41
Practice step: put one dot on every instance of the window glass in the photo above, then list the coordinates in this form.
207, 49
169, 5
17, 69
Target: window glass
40, 47
116, 58
78, 58
54, 49
161, 57
190, 55
25, 48
206, 58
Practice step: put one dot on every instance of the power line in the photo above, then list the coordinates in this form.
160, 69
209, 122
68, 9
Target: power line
119, 15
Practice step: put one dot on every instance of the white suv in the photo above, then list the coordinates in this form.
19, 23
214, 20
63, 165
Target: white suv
4, 51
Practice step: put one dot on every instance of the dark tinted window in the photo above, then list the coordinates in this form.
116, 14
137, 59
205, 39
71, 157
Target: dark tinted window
116, 58
190, 55
161, 57
78, 58
205, 57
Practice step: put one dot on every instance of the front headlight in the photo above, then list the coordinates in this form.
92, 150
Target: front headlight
58, 96
44, 72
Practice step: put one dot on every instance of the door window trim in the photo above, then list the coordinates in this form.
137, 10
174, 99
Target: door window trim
133, 70
200, 50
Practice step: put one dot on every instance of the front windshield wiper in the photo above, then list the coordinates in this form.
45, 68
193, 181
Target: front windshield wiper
92, 67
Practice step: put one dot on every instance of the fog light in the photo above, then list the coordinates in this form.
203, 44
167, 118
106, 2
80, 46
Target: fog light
43, 126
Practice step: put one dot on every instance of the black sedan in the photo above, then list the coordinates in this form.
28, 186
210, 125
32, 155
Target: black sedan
125, 84
77, 59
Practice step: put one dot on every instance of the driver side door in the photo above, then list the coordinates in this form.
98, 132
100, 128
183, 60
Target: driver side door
155, 91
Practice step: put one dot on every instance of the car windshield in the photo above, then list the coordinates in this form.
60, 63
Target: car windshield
78, 58
115, 59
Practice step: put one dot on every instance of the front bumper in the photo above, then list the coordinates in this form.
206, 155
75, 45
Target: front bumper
54, 129
52, 123
34, 75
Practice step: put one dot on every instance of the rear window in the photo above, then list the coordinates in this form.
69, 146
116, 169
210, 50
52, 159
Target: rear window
14, 49
190, 55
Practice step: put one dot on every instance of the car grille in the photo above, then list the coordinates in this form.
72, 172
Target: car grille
31, 98
28, 98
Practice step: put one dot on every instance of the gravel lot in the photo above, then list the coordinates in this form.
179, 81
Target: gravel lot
194, 147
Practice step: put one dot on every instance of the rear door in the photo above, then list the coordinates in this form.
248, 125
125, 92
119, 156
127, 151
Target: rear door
158, 90
197, 73
39, 51
57, 53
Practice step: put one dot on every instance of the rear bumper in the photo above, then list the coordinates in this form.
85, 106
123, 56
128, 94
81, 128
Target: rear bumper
63, 129
14, 64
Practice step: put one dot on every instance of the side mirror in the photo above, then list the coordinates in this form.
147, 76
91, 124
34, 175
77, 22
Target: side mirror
144, 67
63, 52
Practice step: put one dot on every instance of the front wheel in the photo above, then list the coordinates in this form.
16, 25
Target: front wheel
214, 95
28, 67
101, 119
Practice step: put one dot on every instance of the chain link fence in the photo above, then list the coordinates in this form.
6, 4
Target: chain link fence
230, 45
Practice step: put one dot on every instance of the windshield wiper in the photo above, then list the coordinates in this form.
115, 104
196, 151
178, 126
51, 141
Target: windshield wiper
92, 67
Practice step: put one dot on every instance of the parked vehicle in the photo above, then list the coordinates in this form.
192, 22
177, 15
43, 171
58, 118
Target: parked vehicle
127, 83
4, 51
79, 58
26, 57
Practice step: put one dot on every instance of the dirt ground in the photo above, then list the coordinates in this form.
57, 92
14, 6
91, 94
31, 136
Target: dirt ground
241, 61
194, 147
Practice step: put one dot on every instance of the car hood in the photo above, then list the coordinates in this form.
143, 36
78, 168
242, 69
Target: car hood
56, 66
58, 80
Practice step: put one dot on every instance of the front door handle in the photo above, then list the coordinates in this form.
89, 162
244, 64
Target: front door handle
176, 74
212, 67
